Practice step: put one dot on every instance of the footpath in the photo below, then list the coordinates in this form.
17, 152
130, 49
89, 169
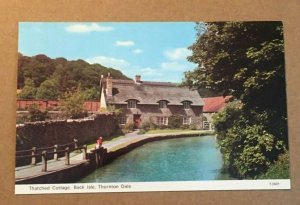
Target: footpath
76, 159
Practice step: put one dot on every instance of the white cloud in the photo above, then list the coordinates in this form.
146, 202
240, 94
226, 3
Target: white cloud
150, 72
87, 27
124, 43
177, 54
137, 51
109, 62
174, 66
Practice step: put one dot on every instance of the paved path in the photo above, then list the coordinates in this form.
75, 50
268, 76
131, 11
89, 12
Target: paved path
134, 137
77, 158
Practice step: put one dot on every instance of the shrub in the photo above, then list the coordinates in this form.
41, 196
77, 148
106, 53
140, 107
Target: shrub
280, 169
128, 127
22, 119
175, 121
192, 127
29, 90
248, 148
35, 114
113, 109
72, 104
163, 127
148, 125
185, 126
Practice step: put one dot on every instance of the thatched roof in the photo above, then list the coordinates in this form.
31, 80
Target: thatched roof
147, 92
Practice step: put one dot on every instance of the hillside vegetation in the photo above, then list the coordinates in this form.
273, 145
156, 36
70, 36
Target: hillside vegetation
40, 77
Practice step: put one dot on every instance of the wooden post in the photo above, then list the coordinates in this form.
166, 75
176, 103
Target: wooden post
33, 158
75, 143
55, 157
44, 161
97, 158
84, 152
67, 155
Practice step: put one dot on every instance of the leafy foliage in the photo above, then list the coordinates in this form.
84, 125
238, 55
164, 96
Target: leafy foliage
149, 125
280, 169
175, 121
28, 91
247, 147
42, 77
72, 104
246, 60
128, 127
35, 114
48, 90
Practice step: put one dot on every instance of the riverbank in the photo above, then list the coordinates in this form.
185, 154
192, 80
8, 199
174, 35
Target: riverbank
180, 159
110, 151
134, 137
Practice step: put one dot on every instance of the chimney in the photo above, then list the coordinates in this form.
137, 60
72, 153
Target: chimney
109, 86
137, 78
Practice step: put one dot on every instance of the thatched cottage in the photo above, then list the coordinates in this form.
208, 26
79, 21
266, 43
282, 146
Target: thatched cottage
143, 101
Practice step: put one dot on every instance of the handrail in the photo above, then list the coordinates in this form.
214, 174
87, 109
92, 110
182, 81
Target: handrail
60, 145
56, 152
46, 148
44, 154
20, 151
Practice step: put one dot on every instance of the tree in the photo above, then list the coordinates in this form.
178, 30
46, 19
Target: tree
247, 147
91, 94
45, 73
72, 104
48, 90
28, 91
246, 60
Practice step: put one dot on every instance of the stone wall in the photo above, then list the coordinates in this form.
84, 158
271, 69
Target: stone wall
49, 133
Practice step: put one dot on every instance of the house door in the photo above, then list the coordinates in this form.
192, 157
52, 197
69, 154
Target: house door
137, 121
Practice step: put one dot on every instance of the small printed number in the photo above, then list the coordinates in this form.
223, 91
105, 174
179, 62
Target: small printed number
274, 183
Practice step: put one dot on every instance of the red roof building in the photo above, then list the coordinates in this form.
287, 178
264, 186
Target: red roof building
215, 104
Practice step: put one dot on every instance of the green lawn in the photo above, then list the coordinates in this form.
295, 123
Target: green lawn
169, 131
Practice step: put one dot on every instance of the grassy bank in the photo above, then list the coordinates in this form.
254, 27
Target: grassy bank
163, 131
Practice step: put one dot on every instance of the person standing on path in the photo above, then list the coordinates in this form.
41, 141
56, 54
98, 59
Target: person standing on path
99, 142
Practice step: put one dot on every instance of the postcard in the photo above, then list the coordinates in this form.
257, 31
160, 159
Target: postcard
151, 106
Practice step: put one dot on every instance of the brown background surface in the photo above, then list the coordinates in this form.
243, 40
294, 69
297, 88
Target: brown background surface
13, 11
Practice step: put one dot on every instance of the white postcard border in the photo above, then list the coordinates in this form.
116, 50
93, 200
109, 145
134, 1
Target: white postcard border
274, 184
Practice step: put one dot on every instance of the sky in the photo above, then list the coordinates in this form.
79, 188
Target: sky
156, 51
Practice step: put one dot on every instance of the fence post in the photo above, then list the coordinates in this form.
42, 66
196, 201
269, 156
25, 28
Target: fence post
75, 143
55, 157
84, 151
33, 158
97, 158
67, 155
44, 161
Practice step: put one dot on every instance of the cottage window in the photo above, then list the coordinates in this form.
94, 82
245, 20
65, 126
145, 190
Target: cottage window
122, 120
131, 104
162, 104
187, 120
186, 105
162, 121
